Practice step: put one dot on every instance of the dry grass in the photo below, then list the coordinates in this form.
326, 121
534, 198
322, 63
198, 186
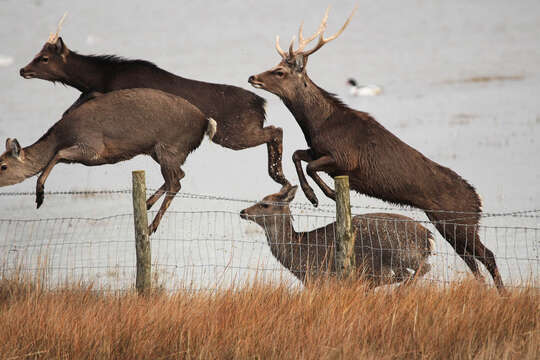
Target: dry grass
330, 321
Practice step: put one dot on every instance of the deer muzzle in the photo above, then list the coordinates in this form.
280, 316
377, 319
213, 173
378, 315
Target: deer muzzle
255, 82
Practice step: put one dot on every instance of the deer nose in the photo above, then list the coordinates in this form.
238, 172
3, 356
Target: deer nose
251, 78
21, 71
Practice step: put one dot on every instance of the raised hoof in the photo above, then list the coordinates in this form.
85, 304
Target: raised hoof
40, 195
310, 194
152, 229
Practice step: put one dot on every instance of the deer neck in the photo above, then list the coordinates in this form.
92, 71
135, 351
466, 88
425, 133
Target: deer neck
280, 232
310, 106
38, 155
84, 74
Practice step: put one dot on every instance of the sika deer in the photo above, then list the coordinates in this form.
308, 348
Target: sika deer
386, 245
111, 128
239, 113
343, 141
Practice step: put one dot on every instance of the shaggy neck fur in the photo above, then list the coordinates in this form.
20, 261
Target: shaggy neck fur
89, 72
312, 106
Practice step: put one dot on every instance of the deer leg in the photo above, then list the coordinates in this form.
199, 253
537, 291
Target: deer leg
275, 153
298, 157
326, 164
155, 197
449, 232
73, 153
172, 184
486, 257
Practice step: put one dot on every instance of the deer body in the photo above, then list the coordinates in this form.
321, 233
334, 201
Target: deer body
111, 128
343, 141
386, 245
240, 114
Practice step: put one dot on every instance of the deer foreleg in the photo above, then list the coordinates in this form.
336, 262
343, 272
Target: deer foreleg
73, 153
298, 157
326, 164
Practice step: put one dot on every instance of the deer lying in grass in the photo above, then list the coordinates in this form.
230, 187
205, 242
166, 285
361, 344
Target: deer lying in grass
239, 113
111, 128
343, 141
386, 245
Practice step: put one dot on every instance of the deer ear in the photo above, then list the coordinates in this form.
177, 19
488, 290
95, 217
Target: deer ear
61, 48
12, 145
289, 193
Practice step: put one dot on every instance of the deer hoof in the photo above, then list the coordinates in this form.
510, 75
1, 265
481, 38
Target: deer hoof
310, 194
39, 199
40, 195
152, 229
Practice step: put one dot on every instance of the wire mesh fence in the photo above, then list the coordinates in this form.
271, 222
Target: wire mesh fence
204, 244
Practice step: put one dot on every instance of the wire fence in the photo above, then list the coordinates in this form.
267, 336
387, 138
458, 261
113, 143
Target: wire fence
203, 243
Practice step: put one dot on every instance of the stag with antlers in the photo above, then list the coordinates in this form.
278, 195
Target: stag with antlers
343, 141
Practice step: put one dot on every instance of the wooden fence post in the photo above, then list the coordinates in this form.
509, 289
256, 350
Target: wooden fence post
142, 239
345, 234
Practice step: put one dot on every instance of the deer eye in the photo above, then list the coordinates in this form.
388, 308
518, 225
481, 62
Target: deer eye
3, 167
265, 205
279, 73
44, 59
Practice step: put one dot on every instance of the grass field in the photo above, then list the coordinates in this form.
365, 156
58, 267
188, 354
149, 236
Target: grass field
260, 321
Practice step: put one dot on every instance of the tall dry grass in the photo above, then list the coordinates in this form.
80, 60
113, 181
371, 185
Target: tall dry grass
330, 321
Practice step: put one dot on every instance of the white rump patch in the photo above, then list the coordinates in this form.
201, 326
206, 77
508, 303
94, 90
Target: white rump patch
212, 128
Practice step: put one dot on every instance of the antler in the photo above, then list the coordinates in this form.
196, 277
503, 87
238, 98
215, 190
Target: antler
53, 38
320, 32
322, 28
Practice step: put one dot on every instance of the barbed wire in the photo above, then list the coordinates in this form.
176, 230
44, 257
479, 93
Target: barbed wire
324, 207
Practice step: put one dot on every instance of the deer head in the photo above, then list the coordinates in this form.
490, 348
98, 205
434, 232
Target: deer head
289, 76
49, 63
271, 207
13, 168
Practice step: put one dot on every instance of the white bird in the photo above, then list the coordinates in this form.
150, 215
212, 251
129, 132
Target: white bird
363, 90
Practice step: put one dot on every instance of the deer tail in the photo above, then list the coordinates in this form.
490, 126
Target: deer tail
211, 128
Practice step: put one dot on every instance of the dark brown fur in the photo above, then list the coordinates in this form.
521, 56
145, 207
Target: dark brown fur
111, 128
343, 141
239, 113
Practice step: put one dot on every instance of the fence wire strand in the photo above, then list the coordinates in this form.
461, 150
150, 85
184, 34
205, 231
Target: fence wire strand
204, 248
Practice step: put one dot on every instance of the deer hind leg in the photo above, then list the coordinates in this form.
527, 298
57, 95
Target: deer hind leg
485, 256
155, 196
275, 154
172, 185
450, 234
76, 153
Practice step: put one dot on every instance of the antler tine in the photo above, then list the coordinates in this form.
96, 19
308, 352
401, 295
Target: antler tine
278, 48
53, 38
323, 41
301, 42
291, 51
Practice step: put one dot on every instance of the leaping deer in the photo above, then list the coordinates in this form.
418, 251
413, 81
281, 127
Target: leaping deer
240, 114
111, 128
343, 141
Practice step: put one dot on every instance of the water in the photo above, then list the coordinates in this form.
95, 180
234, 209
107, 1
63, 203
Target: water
461, 82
